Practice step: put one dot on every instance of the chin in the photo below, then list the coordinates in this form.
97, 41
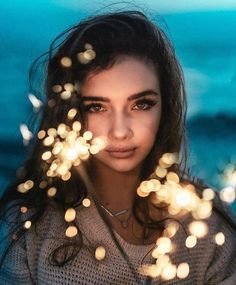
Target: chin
124, 169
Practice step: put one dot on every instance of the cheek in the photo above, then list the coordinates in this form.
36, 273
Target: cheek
95, 125
150, 125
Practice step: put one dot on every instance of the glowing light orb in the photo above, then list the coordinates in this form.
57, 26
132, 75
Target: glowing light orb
27, 224
71, 231
66, 61
228, 194
100, 253
169, 272
198, 229
70, 215
183, 198
52, 191
182, 270
86, 202
191, 241
220, 238
208, 194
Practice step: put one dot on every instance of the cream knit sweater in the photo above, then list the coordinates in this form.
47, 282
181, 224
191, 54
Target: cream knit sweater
27, 262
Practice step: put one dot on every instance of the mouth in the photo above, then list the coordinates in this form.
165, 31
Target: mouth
121, 152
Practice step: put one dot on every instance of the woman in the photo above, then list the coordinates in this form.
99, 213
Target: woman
75, 218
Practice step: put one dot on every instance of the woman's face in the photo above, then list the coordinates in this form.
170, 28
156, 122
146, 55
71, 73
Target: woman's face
123, 105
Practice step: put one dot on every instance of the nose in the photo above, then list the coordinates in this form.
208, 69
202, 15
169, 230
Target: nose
120, 128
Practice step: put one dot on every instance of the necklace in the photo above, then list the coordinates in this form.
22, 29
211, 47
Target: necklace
124, 223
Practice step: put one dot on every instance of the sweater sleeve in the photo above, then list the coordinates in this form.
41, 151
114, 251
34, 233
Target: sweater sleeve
15, 270
222, 270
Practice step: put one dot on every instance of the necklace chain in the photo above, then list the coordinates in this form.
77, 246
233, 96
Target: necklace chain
114, 214
124, 223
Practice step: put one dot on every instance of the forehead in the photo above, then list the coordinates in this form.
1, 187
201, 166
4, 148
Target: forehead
127, 76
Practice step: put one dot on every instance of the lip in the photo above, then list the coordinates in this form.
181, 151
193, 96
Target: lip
121, 152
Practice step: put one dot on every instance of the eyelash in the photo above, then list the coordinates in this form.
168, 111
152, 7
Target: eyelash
148, 102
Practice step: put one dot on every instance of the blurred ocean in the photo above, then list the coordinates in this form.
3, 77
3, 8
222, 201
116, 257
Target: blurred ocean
205, 43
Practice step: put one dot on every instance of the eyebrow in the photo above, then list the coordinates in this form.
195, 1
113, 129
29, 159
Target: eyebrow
130, 98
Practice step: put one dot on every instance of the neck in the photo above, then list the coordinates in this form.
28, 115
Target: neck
115, 190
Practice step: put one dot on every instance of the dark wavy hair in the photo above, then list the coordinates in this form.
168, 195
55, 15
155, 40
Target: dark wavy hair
112, 35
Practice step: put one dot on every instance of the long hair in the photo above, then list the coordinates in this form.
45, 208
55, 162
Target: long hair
111, 36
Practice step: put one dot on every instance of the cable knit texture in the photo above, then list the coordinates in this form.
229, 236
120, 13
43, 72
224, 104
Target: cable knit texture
27, 262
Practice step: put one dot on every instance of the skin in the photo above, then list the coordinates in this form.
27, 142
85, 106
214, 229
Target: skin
123, 122
128, 125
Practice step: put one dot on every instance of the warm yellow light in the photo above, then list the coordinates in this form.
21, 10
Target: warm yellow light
227, 194
65, 95
94, 149
162, 261
69, 87
86, 202
76, 126
161, 172
71, 231
203, 211
89, 54
52, 132
169, 272
81, 58
70, 215
23, 209
28, 184
27, 224
66, 61
41, 134
100, 253
56, 88
220, 238
88, 46
141, 193
100, 142
48, 141
208, 194
170, 158
172, 177
171, 229
191, 241
87, 135
72, 113
46, 155
183, 270
66, 176
163, 245
183, 198
52, 192
71, 154
198, 229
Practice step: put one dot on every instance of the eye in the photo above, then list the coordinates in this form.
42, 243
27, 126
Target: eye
94, 108
144, 104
